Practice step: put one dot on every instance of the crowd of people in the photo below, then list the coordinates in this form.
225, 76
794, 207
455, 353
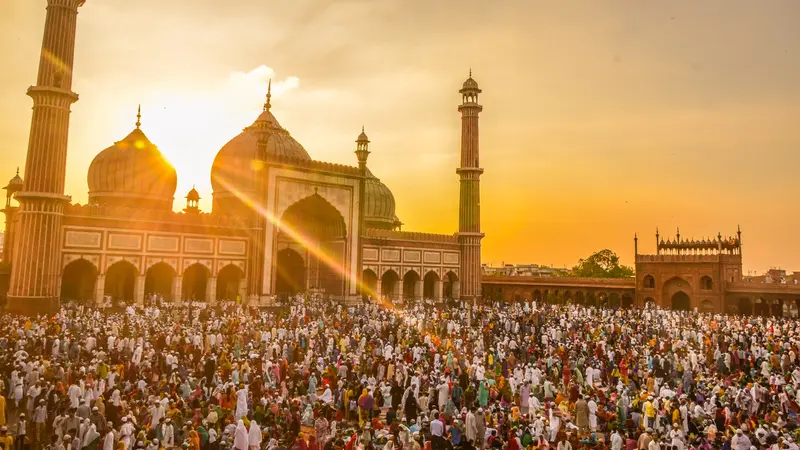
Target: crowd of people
319, 375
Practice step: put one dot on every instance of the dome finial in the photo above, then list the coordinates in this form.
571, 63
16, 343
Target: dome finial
17, 170
470, 72
139, 117
268, 105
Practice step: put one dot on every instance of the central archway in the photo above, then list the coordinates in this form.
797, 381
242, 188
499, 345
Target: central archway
78, 281
317, 229
681, 301
291, 272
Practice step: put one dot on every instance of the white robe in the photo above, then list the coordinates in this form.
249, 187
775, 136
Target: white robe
241, 403
108, 442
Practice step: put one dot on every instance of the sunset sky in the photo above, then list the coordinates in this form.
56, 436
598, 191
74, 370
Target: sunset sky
601, 119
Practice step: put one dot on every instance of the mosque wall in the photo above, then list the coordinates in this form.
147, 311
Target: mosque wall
407, 268
105, 247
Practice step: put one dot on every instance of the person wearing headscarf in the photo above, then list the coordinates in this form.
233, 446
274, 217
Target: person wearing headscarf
194, 440
240, 438
308, 416
91, 439
254, 436
365, 405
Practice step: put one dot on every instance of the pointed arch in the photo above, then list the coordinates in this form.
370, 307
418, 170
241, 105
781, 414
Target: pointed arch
158, 280
449, 284
671, 288
78, 280
390, 284
430, 284
229, 282
195, 282
370, 280
120, 281
411, 280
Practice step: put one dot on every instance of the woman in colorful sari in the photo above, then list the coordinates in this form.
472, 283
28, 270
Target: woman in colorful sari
483, 395
365, 404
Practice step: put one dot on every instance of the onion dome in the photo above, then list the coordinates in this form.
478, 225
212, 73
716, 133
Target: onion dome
235, 168
132, 173
14, 184
378, 204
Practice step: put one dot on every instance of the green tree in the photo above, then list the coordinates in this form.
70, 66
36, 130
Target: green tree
602, 264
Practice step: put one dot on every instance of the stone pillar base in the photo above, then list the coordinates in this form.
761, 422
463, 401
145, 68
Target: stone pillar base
31, 306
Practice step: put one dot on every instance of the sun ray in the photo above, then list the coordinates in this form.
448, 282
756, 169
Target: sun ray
296, 235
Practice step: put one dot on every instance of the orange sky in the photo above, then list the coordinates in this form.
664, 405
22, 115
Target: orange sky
600, 119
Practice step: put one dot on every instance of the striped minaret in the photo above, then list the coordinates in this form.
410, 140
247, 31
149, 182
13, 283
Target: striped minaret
469, 213
36, 268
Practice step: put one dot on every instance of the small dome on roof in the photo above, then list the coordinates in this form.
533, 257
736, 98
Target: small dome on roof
15, 184
470, 83
363, 136
193, 195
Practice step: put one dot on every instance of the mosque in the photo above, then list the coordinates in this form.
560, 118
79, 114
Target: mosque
281, 222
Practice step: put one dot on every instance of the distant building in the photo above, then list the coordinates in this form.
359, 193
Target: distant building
683, 274
524, 270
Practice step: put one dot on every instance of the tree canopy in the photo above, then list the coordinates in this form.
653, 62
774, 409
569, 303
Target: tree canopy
602, 264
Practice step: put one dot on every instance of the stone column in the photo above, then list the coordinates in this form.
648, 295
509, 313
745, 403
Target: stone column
138, 290
211, 291
177, 289
418, 290
438, 290
398, 291
99, 290
242, 290
457, 290
378, 291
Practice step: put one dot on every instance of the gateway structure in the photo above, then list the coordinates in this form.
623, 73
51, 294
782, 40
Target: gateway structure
281, 222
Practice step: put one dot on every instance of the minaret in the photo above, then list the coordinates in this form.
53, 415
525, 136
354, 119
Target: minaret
469, 211
36, 269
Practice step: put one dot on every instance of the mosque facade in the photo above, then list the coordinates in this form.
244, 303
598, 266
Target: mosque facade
281, 222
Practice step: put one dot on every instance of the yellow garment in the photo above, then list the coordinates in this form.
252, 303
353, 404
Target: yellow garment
3, 411
649, 410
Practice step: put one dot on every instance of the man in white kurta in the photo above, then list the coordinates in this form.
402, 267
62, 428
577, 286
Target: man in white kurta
241, 403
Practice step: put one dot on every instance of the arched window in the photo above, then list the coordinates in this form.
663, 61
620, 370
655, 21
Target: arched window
649, 282
706, 283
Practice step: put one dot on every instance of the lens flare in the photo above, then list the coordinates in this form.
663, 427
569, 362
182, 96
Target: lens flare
297, 235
